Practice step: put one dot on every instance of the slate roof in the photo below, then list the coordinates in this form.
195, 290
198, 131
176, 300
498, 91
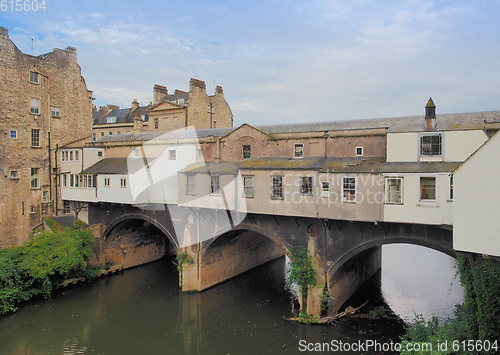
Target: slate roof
119, 166
212, 168
122, 115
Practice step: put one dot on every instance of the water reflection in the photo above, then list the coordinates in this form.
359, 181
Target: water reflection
418, 280
142, 312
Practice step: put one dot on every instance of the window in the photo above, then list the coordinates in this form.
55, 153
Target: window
214, 124
427, 188
111, 119
325, 189
210, 108
34, 78
45, 196
110, 133
35, 106
71, 156
106, 182
248, 186
199, 153
190, 184
298, 150
215, 184
35, 178
172, 154
13, 134
180, 101
99, 154
64, 180
157, 123
394, 191
56, 112
66, 206
123, 182
306, 185
359, 151
102, 134
430, 144
93, 137
165, 122
277, 188
118, 132
14, 174
135, 153
33, 210
450, 197
176, 122
349, 189
35, 138
246, 152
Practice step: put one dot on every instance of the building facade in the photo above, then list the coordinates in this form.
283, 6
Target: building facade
166, 112
44, 105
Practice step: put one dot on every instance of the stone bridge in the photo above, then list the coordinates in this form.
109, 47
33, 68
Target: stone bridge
222, 245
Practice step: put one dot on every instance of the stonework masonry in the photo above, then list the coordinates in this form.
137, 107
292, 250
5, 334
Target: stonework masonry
44, 104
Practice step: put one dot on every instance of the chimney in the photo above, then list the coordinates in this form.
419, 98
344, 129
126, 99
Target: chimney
195, 83
158, 92
138, 123
135, 103
430, 114
219, 91
71, 49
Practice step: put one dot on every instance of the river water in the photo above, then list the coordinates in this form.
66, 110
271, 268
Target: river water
141, 311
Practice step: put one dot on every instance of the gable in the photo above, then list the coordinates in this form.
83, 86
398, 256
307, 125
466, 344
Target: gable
245, 130
164, 106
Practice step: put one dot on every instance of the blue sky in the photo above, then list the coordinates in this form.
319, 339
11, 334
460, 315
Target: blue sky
281, 61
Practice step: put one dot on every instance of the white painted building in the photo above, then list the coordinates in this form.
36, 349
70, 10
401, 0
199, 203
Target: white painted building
476, 209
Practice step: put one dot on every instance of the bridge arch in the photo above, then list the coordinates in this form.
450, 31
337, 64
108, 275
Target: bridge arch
145, 218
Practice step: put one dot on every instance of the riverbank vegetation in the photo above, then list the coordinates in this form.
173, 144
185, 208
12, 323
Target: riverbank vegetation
39, 266
476, 322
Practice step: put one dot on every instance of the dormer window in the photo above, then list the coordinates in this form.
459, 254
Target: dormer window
431, 144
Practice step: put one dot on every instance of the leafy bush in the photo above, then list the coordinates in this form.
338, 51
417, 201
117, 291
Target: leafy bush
42, 264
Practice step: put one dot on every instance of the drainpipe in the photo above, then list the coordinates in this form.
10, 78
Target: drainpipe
56, 174
379, 193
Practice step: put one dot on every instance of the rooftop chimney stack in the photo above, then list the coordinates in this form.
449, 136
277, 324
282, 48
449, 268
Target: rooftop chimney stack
135, 103
159, 92
430, 114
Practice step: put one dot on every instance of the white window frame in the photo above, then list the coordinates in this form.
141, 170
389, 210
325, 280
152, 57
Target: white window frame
214, 184
190, 184
360, 154
430, 145
93, 137
400, 200
277, 190
64, 180
248, 186
172, 154
157, 123
45, 196
165, 122
35, 138
325, 189
35, 106
123, 182
14, 174
135, 153
107, 182
66, 207
34, 77
246, 149
176, 122
55, 111
349, 188
13, 134
35, 178
301, 155
424, 200
306, 190
450, 187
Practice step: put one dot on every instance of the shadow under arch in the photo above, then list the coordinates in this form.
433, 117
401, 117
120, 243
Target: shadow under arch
242, 227
136, 216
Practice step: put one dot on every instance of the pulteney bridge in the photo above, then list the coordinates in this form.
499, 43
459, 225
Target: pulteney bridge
223, 245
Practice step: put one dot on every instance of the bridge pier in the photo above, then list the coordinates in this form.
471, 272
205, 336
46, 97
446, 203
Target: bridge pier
226, 258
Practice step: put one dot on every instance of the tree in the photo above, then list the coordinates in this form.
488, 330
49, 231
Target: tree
301, 273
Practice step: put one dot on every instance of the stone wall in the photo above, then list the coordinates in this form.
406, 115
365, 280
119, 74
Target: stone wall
61, 85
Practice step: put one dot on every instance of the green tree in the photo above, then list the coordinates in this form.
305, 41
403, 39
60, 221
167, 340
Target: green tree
301, 273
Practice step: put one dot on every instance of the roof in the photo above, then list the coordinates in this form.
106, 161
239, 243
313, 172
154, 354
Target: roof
212, 168
121, 115
120, 166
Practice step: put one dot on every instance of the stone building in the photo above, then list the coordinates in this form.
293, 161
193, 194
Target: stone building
41, 98
166, 112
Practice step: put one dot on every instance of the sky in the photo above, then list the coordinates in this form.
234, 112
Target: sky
280, 61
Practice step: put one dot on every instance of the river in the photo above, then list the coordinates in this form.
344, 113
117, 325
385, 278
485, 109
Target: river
141, 311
